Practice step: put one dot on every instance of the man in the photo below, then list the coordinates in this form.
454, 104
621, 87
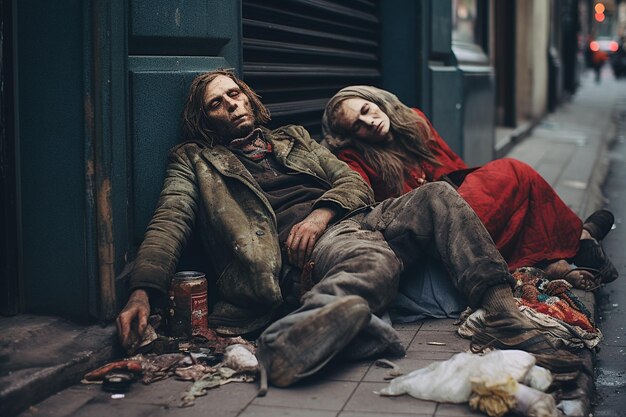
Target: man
281, 216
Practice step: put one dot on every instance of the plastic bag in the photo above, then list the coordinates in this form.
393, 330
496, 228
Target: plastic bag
449, 381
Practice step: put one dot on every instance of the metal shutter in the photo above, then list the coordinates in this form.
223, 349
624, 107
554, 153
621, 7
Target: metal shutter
298, 53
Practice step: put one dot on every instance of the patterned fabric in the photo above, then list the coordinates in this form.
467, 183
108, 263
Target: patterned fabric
254, 146
550, 305
553, 298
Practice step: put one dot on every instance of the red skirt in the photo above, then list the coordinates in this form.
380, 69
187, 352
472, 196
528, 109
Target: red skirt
527, 220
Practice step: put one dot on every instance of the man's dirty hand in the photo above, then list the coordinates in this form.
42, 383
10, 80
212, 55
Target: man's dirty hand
304, 235
133, 319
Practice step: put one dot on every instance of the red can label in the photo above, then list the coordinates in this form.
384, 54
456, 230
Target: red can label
199, 312
188, 312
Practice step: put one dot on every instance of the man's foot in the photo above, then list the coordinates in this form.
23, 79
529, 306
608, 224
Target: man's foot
309, 344
506, 331
599, 224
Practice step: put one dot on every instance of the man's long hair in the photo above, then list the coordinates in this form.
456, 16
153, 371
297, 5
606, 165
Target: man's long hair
196, 124
411, 134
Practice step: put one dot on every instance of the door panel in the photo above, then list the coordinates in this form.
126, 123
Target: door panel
155, 125
170, 42
177, 27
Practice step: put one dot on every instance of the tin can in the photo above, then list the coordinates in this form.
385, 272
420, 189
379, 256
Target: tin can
188, 306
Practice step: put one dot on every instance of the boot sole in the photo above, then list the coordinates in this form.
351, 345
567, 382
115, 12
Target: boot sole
310, 344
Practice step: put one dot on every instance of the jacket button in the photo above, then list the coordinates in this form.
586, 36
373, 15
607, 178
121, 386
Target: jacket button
260, 232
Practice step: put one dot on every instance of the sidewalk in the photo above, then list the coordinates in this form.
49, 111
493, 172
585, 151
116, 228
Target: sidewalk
567, 148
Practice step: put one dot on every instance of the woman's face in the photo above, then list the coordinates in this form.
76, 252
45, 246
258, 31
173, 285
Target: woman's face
364, 120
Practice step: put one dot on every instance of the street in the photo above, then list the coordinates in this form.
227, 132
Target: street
610, 372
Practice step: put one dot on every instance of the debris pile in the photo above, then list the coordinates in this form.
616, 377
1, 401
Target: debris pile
206, 359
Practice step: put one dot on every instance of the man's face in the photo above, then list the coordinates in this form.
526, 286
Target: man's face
228, 109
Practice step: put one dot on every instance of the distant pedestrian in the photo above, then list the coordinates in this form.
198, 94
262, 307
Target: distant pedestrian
598, 58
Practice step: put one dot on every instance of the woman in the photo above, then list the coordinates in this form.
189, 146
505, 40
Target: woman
396, 149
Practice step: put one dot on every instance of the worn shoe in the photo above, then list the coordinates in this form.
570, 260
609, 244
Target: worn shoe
310, 344
599, 224
591, 255
506, 332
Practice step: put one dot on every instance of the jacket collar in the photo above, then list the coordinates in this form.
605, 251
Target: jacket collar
282, 145
226, 162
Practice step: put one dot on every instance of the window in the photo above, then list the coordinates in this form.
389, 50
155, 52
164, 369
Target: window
464, 21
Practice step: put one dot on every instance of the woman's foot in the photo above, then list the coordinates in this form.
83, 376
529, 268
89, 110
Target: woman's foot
598, 225
582, 278
556, 270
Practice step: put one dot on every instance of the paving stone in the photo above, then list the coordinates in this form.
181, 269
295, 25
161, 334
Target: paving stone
439, 325
317, 395
550, 173
364, 400
576, 169
453, 342
406, 337
63, 403
430, 355
408, 326
456, 410
571, 196
119, 408
230, 397
379, 414
262, 411
165, 396
351, 371
407, 365
167, 392
205, 410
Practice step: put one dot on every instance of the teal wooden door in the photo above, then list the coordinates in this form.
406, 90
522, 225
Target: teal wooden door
169, 43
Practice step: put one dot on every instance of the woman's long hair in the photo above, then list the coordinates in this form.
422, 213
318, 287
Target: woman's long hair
410, 131
196, 124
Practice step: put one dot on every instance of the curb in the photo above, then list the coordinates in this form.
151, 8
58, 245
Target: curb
24, 387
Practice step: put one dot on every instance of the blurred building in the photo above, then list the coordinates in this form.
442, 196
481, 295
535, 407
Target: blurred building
92, 93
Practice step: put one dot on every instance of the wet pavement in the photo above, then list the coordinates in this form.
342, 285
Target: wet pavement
569, 149
610, 369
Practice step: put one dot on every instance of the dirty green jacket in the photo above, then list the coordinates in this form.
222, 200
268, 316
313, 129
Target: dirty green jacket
208, 188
